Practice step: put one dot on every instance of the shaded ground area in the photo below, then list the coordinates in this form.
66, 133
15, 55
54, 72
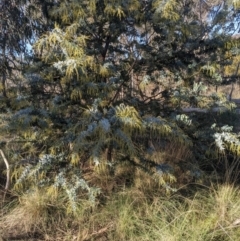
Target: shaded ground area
237, 102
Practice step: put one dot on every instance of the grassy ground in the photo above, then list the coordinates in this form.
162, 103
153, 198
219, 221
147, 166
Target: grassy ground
142, 210
135, 214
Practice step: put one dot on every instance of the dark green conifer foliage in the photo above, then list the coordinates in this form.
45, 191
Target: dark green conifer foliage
111, 77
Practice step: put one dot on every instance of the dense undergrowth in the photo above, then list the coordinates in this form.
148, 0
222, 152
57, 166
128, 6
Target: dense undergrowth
133, 204
190, 197
205, 213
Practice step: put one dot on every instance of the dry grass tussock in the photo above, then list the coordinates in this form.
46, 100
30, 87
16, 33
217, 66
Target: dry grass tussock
30, 214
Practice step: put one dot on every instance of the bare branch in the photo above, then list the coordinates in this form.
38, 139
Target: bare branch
7, 168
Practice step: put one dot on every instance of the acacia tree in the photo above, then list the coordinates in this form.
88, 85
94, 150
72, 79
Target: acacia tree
109, 79
21, 22
12, 42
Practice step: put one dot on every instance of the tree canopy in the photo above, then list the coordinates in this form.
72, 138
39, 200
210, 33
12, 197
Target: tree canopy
107, 82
